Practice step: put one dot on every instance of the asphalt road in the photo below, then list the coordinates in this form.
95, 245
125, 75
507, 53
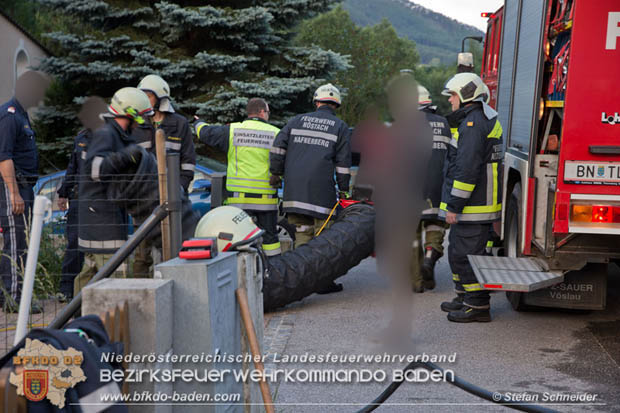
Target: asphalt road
533, 355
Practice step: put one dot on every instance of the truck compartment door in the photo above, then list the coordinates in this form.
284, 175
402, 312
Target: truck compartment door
513, 274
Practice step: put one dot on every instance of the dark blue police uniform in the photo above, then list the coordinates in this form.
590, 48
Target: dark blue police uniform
17, 142
74, 258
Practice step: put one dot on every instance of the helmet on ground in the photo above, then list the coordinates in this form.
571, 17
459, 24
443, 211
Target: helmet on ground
132, 103
159, 87
327, 93
468, 87
424, 97
231, 226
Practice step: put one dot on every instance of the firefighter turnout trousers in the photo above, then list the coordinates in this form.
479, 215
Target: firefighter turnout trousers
430, 234
468, 239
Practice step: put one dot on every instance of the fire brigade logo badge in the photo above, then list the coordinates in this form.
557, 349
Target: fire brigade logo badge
600, 171
35, 384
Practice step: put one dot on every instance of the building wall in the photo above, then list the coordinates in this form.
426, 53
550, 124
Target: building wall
17, 53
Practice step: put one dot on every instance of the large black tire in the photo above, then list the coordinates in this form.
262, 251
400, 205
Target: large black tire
303, 271
512, 241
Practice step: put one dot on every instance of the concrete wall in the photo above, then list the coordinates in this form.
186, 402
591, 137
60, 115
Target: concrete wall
17, 53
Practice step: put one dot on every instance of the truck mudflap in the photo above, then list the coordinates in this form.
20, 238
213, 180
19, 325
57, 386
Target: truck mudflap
513, 274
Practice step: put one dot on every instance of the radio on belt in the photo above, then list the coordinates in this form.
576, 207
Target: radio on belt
199, 249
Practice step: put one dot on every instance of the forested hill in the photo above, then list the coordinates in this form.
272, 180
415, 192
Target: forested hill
436, 35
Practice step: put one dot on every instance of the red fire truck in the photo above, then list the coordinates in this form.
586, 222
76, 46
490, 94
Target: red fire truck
552, 67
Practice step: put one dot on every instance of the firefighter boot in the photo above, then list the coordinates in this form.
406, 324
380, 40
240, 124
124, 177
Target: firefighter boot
455, 305
428, 267
469, 315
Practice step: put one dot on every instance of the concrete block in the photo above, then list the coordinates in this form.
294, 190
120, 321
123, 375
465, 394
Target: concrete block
150, 323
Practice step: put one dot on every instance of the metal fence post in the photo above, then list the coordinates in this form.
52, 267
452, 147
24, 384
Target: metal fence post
174, 203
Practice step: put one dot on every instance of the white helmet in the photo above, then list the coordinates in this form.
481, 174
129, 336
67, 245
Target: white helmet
468, 87
159, 87
131, 103
424, 97
231, 226
327, 93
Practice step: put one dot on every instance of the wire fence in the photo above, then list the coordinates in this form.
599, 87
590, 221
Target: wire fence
64, 267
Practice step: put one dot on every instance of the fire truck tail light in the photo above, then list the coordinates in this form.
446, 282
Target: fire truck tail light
607, 214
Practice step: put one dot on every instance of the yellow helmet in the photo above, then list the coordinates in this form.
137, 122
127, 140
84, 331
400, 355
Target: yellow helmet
468, 87
327, 93
231, 226
131, 103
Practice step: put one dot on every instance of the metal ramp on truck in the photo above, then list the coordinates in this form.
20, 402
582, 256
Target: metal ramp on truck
513, 274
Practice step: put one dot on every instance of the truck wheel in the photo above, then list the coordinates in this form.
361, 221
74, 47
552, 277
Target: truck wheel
512, 241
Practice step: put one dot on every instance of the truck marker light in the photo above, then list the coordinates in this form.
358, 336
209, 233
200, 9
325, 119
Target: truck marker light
606, 214
487, 15
581, 213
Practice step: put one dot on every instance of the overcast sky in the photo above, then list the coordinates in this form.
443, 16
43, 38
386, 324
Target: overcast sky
466, 11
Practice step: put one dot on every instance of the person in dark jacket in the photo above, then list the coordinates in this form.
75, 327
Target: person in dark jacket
103, 224
307, 152
179, 137
68, 199
19, 168
179, 140
247, 146
427, 251
472, 193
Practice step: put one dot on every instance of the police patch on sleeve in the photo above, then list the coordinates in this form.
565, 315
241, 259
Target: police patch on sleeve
471, 123
11, 109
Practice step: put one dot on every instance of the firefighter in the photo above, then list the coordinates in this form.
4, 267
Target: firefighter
426, 255
103, 225
178, 140
19, 168
178, 132
68, 199
249, 184
307, 152
471, 198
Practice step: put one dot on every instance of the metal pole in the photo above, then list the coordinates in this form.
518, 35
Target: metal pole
41, 208
174, 203
112, 264
160, 145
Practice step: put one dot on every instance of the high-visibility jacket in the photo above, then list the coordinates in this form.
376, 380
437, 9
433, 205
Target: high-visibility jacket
473, 183
247, 145
308, 151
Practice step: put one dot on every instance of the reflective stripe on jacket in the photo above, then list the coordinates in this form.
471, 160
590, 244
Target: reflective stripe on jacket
472, 185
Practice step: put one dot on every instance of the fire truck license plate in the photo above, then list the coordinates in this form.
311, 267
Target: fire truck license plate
599, 173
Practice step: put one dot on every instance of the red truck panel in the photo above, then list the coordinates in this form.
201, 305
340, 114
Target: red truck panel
591, 91
593, 77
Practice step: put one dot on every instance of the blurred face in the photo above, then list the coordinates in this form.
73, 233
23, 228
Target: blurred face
454, 101
152, 98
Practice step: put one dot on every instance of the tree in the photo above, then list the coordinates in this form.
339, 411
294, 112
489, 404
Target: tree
214, 54
376, 54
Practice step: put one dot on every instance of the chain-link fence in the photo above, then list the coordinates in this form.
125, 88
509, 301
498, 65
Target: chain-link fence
65, 264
